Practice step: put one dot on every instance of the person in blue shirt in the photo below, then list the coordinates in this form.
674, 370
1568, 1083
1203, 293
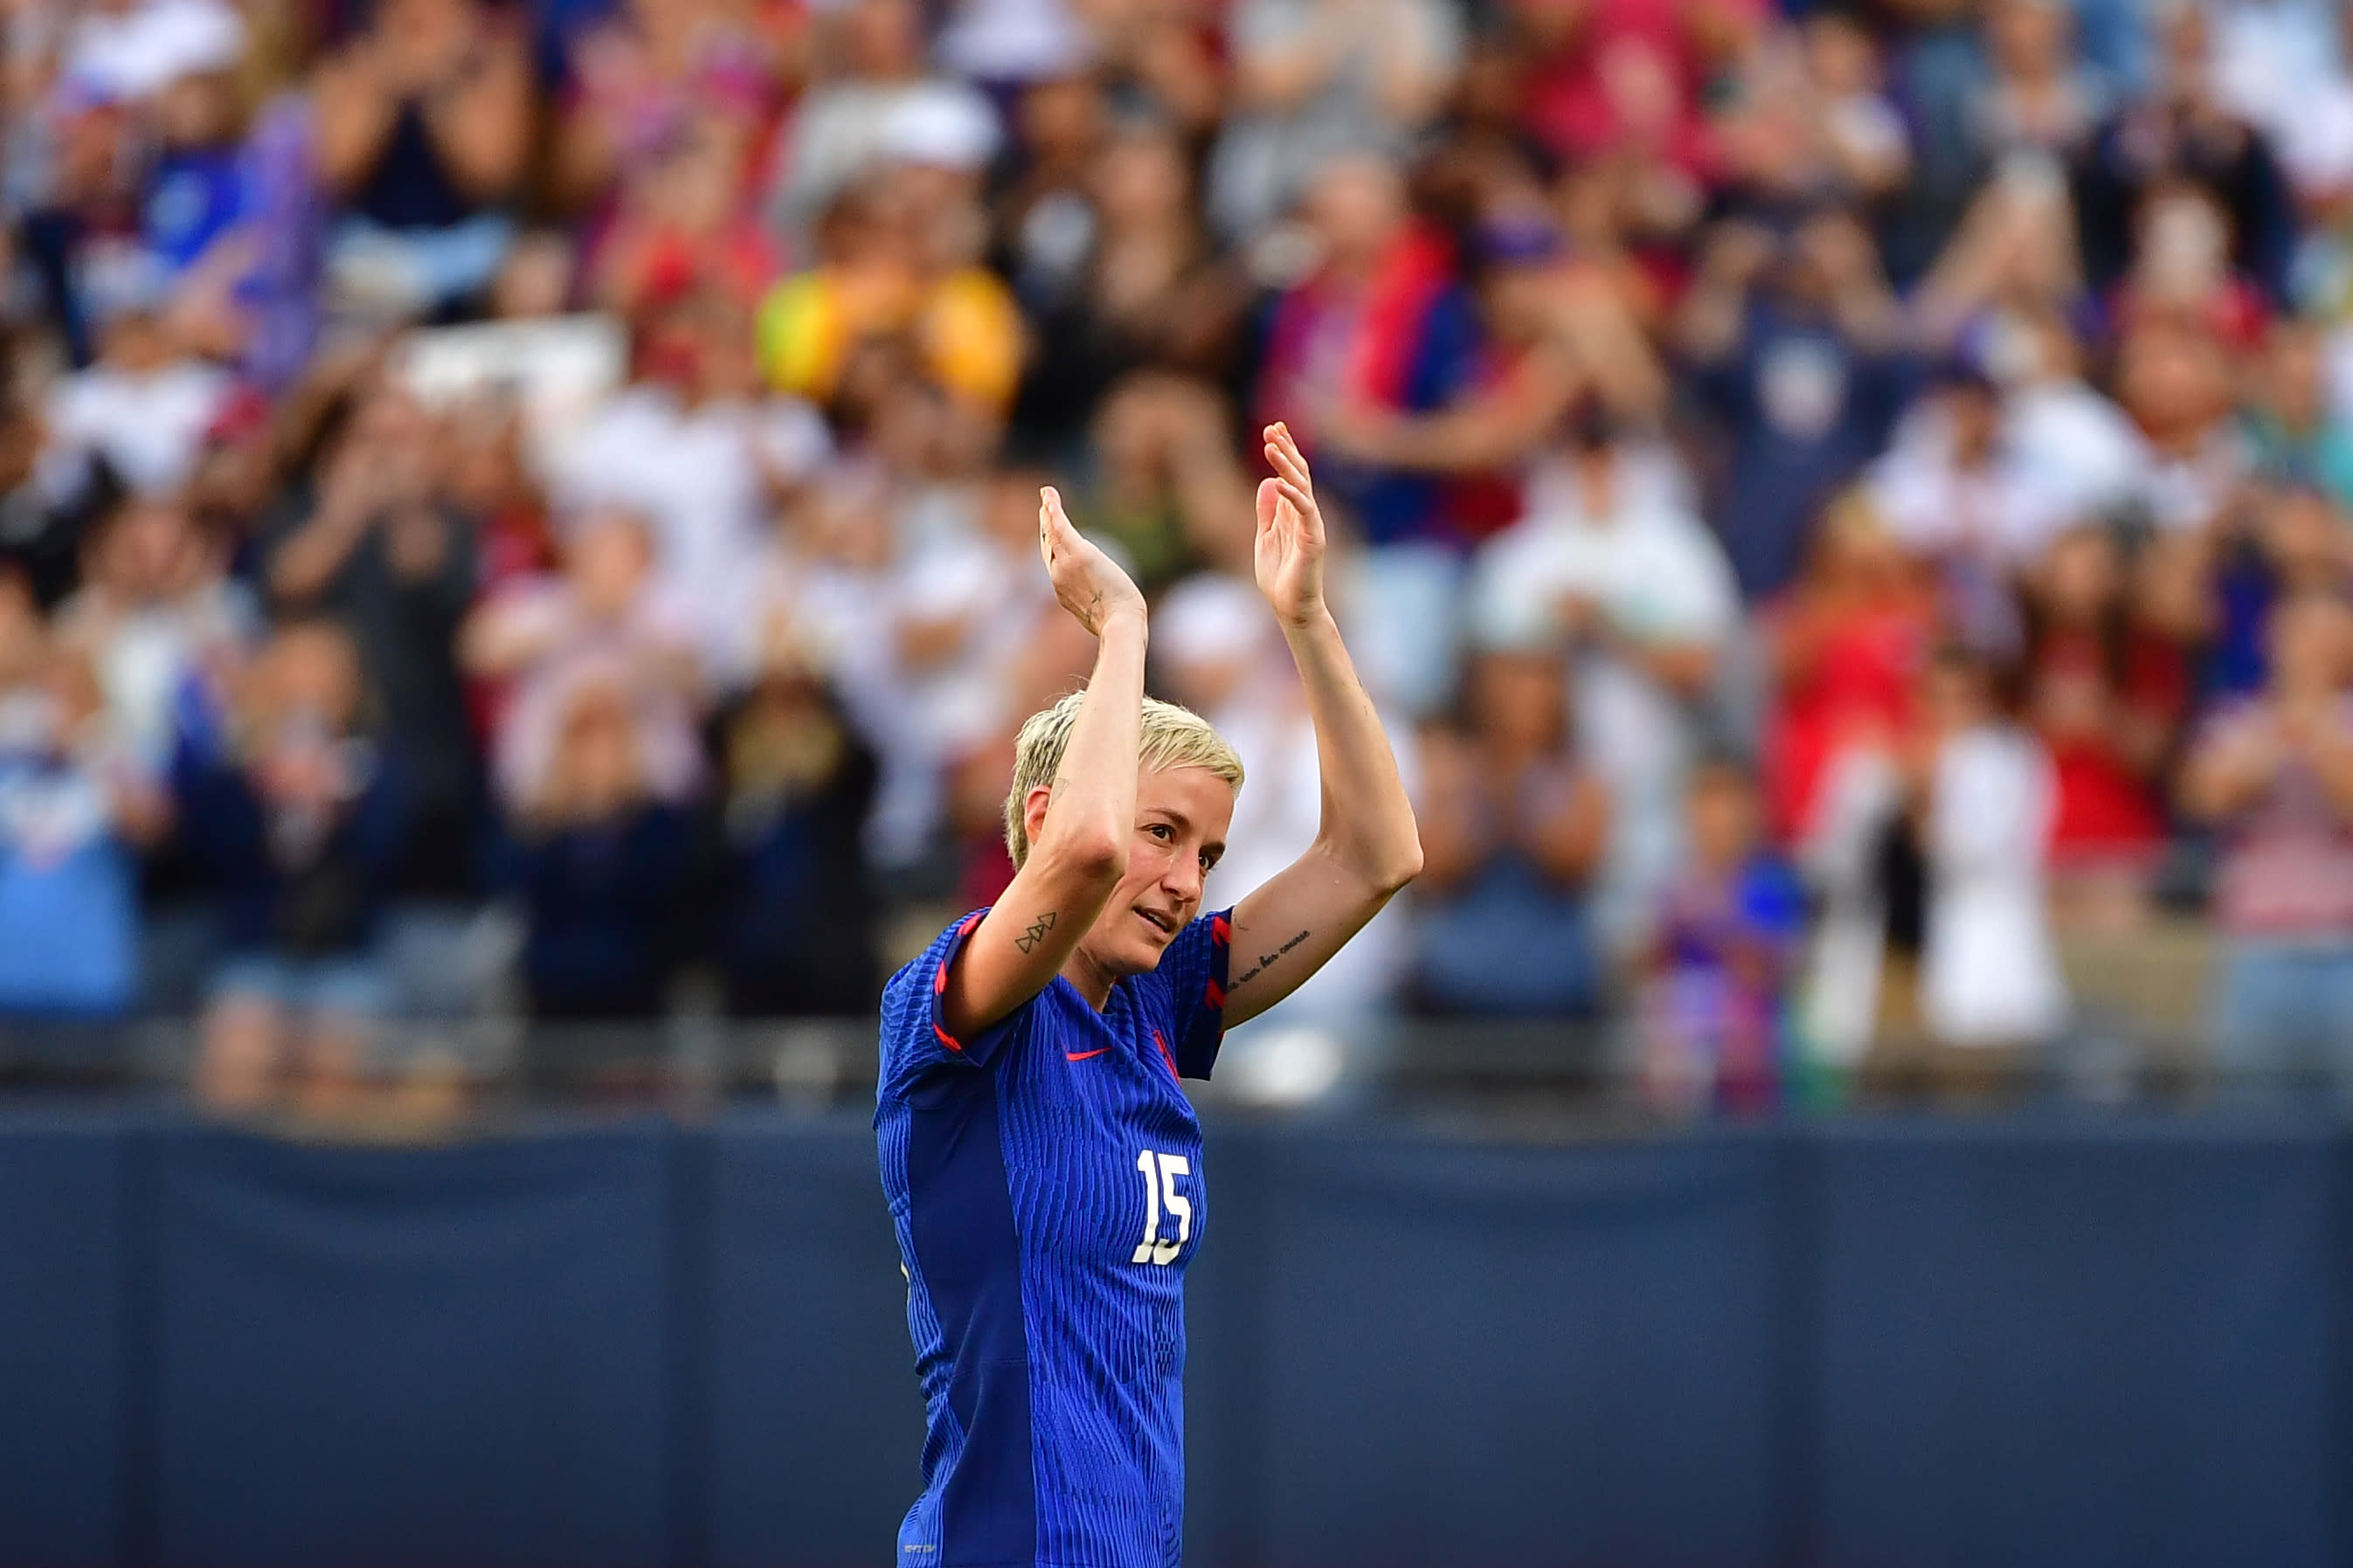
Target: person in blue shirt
1043, 1166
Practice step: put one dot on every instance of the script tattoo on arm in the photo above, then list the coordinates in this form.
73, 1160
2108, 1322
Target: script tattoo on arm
1037, 931
1265, 959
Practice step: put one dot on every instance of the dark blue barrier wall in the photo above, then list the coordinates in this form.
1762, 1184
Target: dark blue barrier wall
1867, 1345
458, 1355
2119, 1347
67, 1298
1501, 1355
814, 1421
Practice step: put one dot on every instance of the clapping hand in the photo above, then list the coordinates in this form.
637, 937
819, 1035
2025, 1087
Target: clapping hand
1289, 553
1088, 582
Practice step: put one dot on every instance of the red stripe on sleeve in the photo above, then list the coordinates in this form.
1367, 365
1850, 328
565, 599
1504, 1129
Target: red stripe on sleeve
1215, 996
1220, 932
1165, 1056
945, 1038
940, 975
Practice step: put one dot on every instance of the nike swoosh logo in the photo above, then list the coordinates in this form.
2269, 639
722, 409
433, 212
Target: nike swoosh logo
1082, 1055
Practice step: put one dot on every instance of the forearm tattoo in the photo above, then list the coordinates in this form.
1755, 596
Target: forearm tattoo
1264, 960
1036, 933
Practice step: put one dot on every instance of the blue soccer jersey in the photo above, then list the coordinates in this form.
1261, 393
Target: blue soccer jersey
1044, 1176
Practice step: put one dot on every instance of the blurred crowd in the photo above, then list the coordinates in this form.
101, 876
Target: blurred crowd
1838, 503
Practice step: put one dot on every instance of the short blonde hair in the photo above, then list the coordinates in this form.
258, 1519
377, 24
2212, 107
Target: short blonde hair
1172, 737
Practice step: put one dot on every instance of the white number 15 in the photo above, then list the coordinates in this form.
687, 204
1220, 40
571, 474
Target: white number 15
1160, 1174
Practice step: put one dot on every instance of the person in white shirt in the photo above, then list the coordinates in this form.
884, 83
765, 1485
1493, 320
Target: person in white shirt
1989, 971
697, 453
1213, 645
1956, 499
156, 613
604, 621
1611, 557
927, 620
142, 408
2070, 441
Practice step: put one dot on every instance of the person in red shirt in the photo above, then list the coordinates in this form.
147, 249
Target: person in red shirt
1846, 645
1617, 76
2104, 691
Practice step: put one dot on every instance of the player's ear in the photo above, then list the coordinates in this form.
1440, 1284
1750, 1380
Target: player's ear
1033, 811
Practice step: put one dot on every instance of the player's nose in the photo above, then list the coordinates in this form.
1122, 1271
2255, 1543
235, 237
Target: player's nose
1182, 878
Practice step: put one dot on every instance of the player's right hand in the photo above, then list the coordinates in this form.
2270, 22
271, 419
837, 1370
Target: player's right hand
1089, 583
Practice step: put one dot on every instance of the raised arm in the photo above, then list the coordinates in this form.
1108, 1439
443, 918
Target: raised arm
1367, 845
1078, 852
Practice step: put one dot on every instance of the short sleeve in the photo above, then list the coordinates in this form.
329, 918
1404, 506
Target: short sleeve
1192, 980
915, 1038
1687, 593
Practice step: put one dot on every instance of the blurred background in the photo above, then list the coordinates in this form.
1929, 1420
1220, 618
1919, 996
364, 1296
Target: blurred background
517, 582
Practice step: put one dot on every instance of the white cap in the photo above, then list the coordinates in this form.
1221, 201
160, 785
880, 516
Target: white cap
941, 125
1209, 618
121, 59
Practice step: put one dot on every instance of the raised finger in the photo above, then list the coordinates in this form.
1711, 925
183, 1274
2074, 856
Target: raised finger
1283, 452
1301, 501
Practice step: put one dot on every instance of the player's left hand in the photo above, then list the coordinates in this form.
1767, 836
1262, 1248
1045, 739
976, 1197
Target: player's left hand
1289, 553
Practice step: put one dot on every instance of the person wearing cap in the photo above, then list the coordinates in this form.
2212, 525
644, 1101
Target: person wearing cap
1610, 563
878, 106
144, 408
1957, 500
899, 259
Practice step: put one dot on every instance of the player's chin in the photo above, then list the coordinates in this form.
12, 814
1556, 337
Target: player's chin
1143, 938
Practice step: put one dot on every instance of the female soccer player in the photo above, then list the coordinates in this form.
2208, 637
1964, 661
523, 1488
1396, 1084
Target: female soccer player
1043, 1166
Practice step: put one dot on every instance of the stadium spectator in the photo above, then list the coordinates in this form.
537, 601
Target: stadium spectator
1867, 144
2297, 435
154, 615
1167, 485
692, 446
1581, 306
380, 550
1959, 500
1382, 321
869, 81
1222, 656
1799, 353
2184, 132
604, 619
1611, 562
1721, 955
647, 75
1315, 79
75, 809
299, 819
1990, 981
1845, 647
423, 128
1630, 74
1844, 652
601, 865
797, 920
2274, 772
141, 410
2105, 691
1518, 826
1120, 281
